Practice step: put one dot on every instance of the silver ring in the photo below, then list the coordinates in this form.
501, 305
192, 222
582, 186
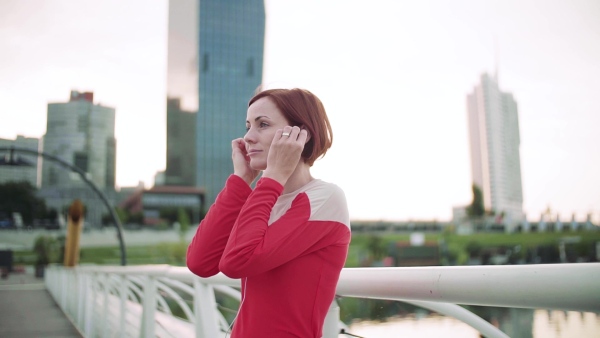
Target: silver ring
285, 134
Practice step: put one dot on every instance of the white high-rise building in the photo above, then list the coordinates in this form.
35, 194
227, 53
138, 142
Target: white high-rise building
494, 142
83, 134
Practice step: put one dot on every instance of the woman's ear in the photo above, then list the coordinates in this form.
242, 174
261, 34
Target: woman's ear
308, 134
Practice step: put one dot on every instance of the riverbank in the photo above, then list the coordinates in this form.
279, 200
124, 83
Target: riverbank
168, 247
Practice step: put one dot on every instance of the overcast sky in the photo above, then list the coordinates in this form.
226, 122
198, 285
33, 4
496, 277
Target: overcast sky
393, 76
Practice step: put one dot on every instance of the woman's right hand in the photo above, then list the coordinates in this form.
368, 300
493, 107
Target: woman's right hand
241, 161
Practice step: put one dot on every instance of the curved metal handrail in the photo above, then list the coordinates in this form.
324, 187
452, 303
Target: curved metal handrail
83, 176
569, 286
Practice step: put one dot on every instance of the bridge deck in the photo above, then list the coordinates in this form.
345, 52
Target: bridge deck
28, 311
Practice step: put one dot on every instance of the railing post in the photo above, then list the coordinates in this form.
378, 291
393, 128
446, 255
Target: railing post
331, 327
123, 297
71, 300
68, 295
149, 309
64, 286
205, 307
81, 297
90, 304
104, 329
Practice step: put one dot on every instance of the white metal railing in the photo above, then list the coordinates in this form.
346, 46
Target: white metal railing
137, 301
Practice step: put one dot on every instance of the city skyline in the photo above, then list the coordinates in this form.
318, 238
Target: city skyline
393, 77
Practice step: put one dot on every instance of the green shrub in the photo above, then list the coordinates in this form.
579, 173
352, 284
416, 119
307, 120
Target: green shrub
46, 250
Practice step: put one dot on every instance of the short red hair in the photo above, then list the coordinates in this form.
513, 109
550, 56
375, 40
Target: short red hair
303, 109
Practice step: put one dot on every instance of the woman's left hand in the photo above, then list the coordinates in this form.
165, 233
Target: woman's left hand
284, 154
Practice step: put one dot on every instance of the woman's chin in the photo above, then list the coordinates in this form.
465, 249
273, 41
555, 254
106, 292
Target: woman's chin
257, 165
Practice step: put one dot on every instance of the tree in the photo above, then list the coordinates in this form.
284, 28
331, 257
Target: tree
168, 213
20, 197
474, 249
376, 247
52, 214
184, 222
122, 214
46, 249
136, 218
476, 209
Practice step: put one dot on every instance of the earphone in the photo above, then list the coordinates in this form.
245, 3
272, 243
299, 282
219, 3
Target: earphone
239, 309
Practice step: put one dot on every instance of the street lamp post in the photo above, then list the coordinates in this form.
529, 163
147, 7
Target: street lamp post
82, 174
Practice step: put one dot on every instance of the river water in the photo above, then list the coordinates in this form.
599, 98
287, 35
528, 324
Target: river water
516, 323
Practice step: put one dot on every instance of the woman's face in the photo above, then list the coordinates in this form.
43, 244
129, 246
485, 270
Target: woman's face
262, 121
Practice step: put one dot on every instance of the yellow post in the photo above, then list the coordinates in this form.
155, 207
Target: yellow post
74, 225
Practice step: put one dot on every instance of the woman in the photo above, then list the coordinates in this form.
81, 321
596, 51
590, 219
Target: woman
287, 238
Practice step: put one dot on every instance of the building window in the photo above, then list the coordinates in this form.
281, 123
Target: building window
81, 161
111, 150
205, 63
174, 166
82, 123
250, 67
52, 177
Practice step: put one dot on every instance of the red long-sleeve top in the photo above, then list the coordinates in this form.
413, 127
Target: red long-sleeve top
288, 249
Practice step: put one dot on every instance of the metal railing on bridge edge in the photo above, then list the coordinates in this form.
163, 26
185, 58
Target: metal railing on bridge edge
137, 301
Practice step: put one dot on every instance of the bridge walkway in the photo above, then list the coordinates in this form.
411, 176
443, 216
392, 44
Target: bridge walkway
27, 310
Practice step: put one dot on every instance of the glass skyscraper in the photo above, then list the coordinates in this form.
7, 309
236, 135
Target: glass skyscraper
214, 66
230, 54
181, 145
182, 93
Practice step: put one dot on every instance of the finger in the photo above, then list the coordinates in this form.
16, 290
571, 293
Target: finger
307, 134
235, 144
286, 132
277, 135
303, 136
294, 133
238, 144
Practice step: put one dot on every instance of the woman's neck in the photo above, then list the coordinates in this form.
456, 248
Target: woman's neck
299, 178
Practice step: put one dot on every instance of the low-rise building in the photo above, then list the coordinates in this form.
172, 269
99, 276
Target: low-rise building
157, 203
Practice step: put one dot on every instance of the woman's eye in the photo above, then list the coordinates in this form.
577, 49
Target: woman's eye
260, 125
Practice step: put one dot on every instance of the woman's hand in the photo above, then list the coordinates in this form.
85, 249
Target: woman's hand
241, 166
285, 153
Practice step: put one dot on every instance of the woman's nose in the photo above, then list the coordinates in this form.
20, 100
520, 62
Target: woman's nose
250, 136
